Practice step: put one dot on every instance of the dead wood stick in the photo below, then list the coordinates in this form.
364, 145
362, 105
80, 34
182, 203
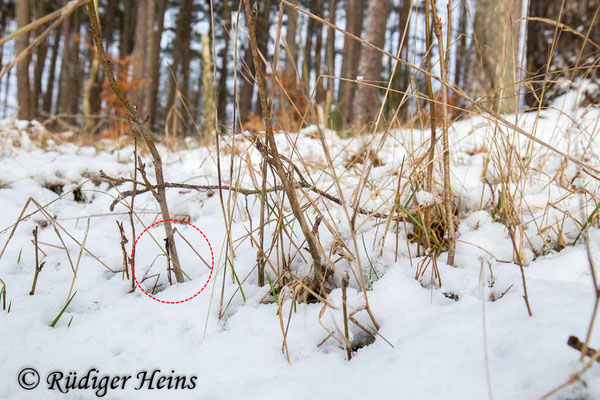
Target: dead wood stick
38, 266
274, 158
247, 192
141, 129
578, 345
345, 310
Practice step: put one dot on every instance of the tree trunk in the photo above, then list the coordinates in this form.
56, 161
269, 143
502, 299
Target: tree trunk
462, 45
318, 34
308, 46
64, 80
151, 55
92, 90
263, 22
40, 60
401, 79
247, 87
330, 56
182, 53
494, 59
139, 50
155, 64
23, 14
112, 10
49, 93
70, 73
222, 84
128, 24
262, 37
577, 15
185, 51
3, 19
291, 58
367, 99
350, 56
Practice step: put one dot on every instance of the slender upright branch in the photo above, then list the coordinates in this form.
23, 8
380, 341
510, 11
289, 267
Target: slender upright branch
274, 158
432, 111
140, 128
38, 266
437, 26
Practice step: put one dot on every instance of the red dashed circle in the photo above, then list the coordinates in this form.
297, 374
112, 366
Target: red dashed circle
212, 262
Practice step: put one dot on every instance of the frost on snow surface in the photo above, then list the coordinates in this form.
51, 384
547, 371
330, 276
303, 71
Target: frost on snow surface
434, 343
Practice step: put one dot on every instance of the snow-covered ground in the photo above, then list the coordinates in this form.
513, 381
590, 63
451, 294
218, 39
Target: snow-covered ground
451, 342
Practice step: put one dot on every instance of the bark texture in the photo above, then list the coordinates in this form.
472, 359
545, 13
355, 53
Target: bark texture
23, 14
494, 57
367, 98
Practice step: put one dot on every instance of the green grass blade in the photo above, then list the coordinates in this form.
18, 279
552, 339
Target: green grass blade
236, 278
53, 324
589, 221
420, 225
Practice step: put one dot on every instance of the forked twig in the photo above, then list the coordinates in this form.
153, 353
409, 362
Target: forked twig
140, 128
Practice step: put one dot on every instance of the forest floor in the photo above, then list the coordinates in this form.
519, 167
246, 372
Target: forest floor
452, 342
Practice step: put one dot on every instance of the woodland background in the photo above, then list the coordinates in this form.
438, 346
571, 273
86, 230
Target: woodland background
165, 57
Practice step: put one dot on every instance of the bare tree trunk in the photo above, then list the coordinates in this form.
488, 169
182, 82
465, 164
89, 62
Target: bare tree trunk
222, 84
493, 61
318, 34
367, 99
3, 19
330, 56
461, 52
247, 87
23, 14
401, 79
208, 89
350, 56
151, 54
568, 47
181, 52
91, 90
139, 50
65, 78
291, 58
262, 36
40, 59
185, 51
110, 17
308, 45
70, 76
78, 66
155, 64
127, 31
49, 93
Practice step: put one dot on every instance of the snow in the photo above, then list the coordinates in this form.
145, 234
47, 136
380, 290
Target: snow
433, 342
425, 198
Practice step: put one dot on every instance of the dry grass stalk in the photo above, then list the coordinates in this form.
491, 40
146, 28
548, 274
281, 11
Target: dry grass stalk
85, 235
449, 213
42, 210
345, 311
3, 294
38, 266
272, 155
